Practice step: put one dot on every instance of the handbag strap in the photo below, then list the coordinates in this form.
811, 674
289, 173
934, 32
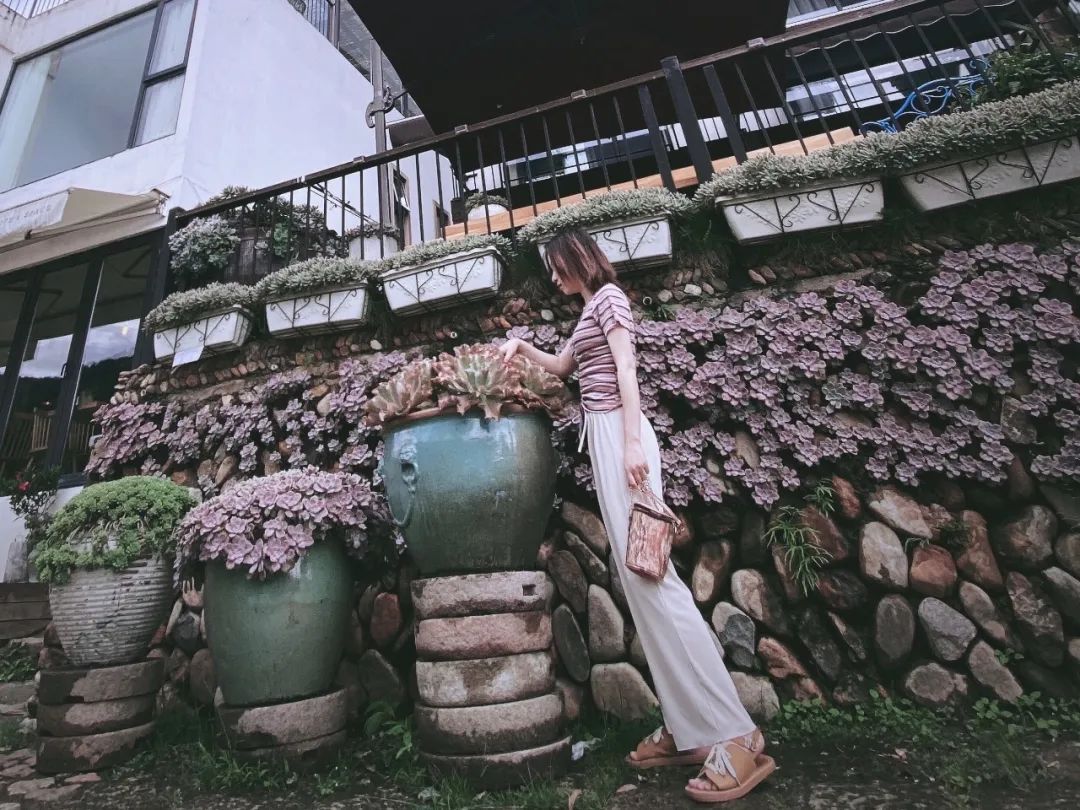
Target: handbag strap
645, 500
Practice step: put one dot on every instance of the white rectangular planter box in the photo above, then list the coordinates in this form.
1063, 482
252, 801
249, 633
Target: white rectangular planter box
947, 184
446, 282
221, 332
373, 248
319, 312
757, 217
631, 244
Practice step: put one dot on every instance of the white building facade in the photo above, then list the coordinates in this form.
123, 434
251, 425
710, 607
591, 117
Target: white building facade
114, 113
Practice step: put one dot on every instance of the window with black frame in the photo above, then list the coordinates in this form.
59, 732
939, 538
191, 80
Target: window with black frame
33, 382
79, 325
95, 95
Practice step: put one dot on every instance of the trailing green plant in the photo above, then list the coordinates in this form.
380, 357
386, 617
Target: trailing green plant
369, 229
1027, 68
867, 156
31, 495
804, 560
605, 208
111, 525
441, 248
480, 198
191, 305
985, 129
991, 127
823, 498
384, 720
17, 663
202, 248
1008, 656
473, 377
312, 276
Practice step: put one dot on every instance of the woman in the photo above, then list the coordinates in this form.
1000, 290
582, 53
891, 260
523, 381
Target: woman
704, 722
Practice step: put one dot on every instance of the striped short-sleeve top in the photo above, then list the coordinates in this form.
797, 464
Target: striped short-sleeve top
597, 377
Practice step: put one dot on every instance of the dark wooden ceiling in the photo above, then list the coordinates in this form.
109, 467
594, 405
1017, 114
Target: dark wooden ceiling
466, 62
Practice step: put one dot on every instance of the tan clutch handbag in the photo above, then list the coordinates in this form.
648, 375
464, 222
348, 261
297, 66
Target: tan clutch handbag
653, 529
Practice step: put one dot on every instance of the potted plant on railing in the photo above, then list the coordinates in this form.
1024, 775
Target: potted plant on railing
771, 195
207, 320
468, 463
442, 273
272, 233
316, 296
995, 148
278, 582
202, 249
371, 241
107, 556
481, 205
632, 227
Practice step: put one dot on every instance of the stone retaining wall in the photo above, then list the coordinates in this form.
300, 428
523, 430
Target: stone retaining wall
941, 591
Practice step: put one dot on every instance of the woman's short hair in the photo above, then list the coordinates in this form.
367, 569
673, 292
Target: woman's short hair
575, 255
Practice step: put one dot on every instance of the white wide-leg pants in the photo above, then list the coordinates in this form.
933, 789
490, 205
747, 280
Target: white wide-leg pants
697, 697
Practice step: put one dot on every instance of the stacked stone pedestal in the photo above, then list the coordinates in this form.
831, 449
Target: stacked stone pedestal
488, 707
299, 732
95, 718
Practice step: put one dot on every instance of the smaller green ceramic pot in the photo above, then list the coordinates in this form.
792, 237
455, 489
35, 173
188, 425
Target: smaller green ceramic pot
281, 638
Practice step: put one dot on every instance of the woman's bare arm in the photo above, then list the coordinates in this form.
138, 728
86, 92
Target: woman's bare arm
561, 364
622, 349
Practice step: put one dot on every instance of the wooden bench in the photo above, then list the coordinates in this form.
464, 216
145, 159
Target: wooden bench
685, 177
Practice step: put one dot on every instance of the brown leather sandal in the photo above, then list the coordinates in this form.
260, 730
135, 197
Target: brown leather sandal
658, 751
734, 769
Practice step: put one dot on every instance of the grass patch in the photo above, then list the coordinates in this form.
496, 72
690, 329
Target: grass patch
380, 760
988, 746
988, 743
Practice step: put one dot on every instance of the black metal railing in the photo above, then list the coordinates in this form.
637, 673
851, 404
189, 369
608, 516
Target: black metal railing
31, 8
816, 84
324, 16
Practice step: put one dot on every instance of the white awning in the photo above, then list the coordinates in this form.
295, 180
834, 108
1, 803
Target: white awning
72, 221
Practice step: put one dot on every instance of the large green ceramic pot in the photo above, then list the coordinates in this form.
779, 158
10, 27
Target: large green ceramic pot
470, 494
280, 638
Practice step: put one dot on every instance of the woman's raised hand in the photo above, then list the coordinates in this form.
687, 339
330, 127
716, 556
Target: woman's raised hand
510, 348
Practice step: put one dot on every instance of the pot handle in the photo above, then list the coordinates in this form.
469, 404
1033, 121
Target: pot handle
406, 457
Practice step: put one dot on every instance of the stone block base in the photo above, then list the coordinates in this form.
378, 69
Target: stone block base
91, 685
478, 594
94, 718
485, 680
73, 719
89, 752
262, 728
497, 771
491, 729
485, 636
297, 754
